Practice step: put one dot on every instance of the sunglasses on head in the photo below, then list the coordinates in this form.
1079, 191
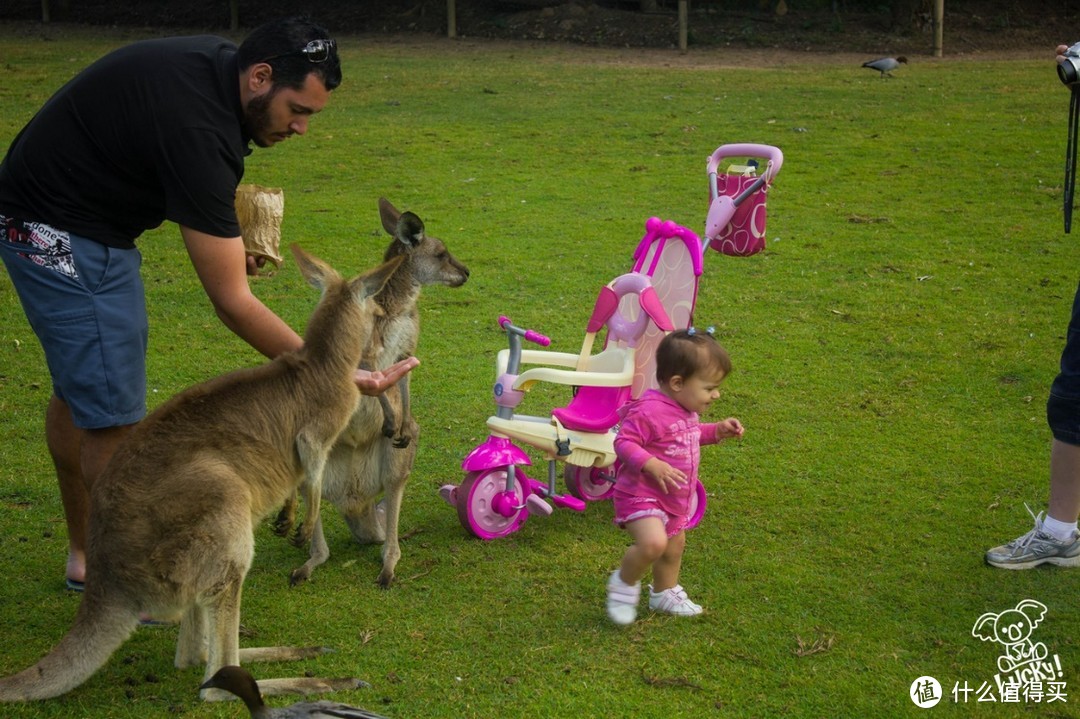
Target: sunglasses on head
316, 51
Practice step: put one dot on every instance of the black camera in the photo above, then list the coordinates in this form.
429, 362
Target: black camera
1069, 68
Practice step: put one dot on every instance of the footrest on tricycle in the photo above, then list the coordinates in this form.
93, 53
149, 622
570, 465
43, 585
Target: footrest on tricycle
537, 506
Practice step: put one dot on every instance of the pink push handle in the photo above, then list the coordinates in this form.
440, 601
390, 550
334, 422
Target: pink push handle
530, 335
746, 149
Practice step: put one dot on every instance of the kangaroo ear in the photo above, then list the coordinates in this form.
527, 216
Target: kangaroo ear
389, 215
986, 627
1033, 610
371, 282
410, 230
314, 270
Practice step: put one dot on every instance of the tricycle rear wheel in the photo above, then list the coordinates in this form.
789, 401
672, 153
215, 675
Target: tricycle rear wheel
590, 483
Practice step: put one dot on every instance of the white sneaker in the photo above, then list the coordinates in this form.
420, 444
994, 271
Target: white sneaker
673, 601
622, 599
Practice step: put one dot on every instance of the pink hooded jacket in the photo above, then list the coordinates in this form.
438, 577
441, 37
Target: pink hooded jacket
657, 426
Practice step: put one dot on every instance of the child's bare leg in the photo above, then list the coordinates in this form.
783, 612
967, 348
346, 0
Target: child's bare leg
650, 544
665, 570
624, 584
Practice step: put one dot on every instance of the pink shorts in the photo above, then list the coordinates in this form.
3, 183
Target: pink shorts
629, 509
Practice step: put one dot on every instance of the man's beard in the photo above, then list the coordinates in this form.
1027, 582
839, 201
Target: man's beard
257, 119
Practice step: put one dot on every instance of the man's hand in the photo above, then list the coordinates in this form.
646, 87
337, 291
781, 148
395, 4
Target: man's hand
375, 383
254, 264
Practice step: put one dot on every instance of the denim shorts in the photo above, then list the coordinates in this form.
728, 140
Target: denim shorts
86, 304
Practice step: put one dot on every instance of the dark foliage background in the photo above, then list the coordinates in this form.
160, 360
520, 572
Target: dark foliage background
837, 25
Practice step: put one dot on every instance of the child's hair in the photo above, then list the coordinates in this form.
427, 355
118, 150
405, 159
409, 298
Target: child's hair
689, 352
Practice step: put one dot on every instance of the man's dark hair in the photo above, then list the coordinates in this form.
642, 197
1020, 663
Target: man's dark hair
280, 44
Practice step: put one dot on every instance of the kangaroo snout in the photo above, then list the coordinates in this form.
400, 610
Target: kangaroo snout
458, 275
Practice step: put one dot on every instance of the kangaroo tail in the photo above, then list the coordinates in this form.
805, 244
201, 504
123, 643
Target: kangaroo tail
98, 631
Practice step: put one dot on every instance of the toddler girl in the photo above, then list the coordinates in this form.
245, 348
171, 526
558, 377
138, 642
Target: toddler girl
658, 445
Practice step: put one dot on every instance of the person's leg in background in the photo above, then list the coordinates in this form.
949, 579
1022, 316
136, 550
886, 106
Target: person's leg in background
1054, 538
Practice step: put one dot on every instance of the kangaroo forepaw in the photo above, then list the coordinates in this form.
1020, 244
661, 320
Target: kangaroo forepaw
401, 442
301, 537
282, 524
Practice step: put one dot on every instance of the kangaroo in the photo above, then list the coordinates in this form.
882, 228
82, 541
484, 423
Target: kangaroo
375, 454
172, 515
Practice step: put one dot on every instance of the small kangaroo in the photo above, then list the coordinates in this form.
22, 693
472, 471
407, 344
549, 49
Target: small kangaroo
172, 515
375, 454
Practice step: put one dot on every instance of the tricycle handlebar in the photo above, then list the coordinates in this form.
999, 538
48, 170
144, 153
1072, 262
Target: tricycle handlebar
530, 335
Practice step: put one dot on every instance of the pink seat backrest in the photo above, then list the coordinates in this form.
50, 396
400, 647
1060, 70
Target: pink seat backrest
670, 255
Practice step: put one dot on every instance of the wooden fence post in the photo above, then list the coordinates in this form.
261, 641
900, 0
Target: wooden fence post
683, 20
939, 29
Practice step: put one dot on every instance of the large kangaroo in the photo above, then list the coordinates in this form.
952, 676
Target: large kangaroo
172, 515
375, 454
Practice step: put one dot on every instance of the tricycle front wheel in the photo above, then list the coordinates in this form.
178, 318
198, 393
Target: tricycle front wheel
487, 508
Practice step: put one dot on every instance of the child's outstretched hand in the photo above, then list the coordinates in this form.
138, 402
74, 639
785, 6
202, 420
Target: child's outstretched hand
730, 427
665, 475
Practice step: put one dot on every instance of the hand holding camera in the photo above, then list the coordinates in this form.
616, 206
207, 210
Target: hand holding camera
1068, 59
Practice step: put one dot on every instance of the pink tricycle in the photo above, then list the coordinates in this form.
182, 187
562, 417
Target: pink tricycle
637, 309
497, 496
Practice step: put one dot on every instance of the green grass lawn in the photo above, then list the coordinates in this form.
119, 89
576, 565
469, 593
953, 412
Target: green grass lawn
893, 348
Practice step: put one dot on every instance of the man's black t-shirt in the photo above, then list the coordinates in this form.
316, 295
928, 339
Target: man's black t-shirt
150, 132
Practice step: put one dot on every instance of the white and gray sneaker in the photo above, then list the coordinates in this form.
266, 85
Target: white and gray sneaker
622, 599
673, 601
1036, 547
